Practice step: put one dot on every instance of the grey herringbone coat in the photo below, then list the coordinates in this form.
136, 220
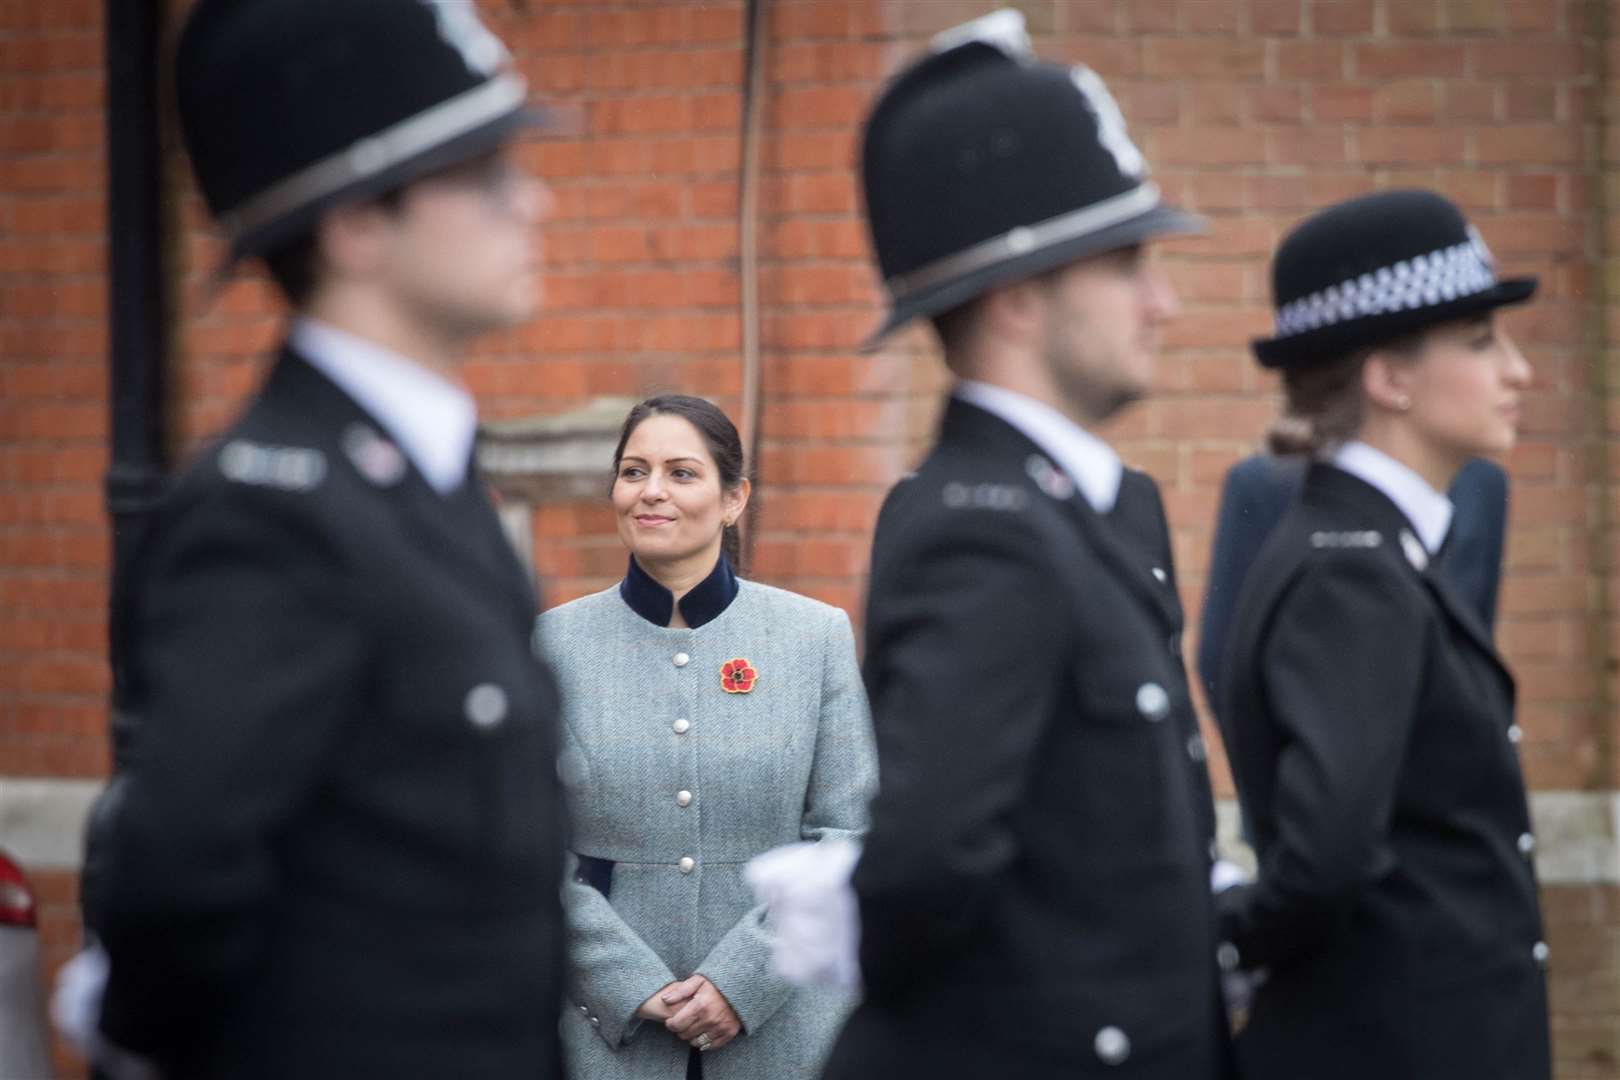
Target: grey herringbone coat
790, 760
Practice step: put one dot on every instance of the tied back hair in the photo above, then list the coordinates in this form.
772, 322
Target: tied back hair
719, 436
1323, 403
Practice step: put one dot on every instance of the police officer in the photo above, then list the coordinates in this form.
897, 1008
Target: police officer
337, 849
1368, 716
1033, 894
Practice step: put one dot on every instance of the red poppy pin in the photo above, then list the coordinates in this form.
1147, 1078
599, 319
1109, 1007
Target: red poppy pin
737, 676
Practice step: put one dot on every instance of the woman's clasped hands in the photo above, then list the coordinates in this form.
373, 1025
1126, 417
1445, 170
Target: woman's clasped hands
695, 1011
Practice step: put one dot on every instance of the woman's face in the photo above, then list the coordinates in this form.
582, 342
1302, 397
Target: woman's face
1466, 388
667, 496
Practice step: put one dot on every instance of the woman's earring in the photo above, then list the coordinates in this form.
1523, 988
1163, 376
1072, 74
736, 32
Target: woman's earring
1403, 403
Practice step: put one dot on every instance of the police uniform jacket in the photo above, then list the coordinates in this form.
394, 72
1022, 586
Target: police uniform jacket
674, 782
1034, 891
337, 850
1370, 726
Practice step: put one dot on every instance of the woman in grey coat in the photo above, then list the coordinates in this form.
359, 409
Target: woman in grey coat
706, 720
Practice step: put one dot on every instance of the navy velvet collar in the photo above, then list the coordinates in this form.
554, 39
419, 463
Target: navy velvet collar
655, 603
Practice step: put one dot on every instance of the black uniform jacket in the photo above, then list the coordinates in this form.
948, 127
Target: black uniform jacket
1369, 724
1034, 891
337, 850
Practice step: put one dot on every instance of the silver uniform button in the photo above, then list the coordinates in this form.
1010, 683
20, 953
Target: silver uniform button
485, 706
1527, 844
1159, 575
683, 798
681, 659
1152, 701
1540, 952
1195, 749
1113, 1046
585, 1009
687, 864
681, 726
1515, 733
1227, 956
596, 1022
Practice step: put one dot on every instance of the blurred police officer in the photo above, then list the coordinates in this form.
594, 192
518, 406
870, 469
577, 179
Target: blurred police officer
337, 849
1034, 892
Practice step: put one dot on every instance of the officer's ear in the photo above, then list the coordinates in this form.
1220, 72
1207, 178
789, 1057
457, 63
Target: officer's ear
1015, 312
1389, 374
353, 240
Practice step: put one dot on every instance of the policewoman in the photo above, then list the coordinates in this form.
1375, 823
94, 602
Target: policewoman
338, 847
1034, 891
708, 718
1368, 717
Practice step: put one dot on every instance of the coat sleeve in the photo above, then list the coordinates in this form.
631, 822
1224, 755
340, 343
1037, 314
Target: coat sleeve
249, 655
842, 777
611, 970
964, 666
1341, 668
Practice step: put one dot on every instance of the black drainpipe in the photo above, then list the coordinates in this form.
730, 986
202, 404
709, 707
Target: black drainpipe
137, 330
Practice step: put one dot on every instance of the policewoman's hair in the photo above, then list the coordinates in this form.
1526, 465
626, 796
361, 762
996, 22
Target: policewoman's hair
1324, 405
719, 435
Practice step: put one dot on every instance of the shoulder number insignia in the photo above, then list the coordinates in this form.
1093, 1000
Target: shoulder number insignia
285, 468
1371, 538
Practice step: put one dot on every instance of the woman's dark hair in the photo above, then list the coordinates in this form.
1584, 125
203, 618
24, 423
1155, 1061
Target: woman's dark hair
1323, 404
719, 435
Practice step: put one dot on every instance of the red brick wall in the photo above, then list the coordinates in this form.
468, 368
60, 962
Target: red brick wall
1252, 112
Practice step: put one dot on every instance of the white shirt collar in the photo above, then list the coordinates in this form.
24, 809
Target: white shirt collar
1427, 509
1090, 462
431, 418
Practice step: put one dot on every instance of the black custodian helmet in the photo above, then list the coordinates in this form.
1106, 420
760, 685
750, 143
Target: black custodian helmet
982, 165
289, 107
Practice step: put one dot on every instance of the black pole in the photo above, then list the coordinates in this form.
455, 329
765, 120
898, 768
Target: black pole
136, 324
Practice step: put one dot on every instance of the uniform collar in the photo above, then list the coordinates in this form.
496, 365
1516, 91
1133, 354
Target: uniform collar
431, 418
703, 603
1090, 462
1427, 509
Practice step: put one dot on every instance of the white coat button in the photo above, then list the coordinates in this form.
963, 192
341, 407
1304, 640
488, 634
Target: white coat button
1152, 701
683, 798
585, 1009
596, 1021
1540, 952
1527, 844
1113, 1046
681, 726
1159, 575
1227, 956
485, 705
1515, 733
687, 864
1195, 749
681, 659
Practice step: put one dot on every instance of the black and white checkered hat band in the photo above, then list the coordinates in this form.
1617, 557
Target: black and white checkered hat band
1438, 277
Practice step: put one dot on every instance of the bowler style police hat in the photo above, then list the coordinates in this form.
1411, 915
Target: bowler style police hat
982, 165
289, 107
1366, 271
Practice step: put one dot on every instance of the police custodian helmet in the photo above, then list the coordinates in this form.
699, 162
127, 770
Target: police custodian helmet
982, 165
1370, 269
289, 107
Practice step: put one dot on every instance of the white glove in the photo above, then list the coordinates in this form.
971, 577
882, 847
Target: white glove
76, 1012
812, 908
